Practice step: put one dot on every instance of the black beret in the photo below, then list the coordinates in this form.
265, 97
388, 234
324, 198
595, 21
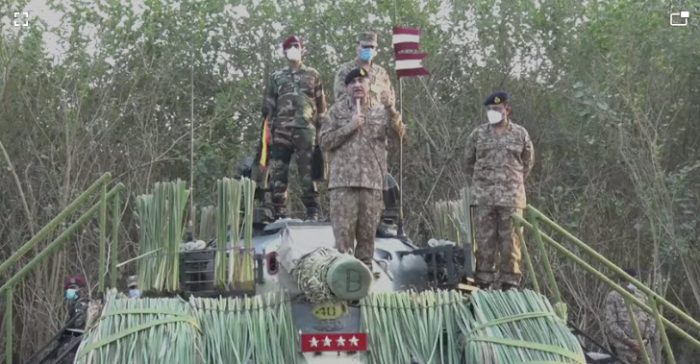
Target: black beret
497, 98
357, 72
631, 271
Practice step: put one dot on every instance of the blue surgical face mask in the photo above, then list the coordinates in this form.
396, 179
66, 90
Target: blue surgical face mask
366, 54
71, 294
134, 293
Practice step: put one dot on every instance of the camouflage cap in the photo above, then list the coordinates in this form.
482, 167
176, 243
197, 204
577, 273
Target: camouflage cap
367, 38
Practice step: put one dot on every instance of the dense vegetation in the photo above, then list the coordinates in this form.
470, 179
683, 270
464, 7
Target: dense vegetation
607, 89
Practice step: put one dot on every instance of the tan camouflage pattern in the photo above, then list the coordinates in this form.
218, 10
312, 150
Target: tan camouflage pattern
288, 141
620, 330
498, 164
367, 38
357, 155
497, 238
379, 82
354, 215
294, 98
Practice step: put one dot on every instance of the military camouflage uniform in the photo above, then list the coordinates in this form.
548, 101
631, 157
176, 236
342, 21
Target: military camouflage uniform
294, 101
620, 329
357, 167
498, 165
379, 81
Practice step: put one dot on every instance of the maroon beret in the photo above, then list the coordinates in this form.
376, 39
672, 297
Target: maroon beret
74, 281
291, 40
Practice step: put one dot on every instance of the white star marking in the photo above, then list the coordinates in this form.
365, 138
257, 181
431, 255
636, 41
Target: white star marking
354, 341
327, 341
340, 341
313, 342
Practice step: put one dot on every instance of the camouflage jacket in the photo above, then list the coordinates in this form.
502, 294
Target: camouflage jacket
294, 98
77, 313
357, 155
498, 165
618, 323
379, 78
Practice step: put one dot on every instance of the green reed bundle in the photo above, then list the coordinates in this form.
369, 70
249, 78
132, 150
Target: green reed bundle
144, 331
518, 327
244, 330
405, 326
161, 218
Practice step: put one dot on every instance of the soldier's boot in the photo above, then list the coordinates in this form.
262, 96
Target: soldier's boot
312, 214
385, 230
508, 286
483, 285
280, 212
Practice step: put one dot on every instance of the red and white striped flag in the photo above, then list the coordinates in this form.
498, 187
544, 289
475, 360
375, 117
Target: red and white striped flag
407, 52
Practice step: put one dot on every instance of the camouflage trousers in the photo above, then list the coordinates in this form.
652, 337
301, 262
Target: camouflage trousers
285, 142
630, 356
496, 235
355, 214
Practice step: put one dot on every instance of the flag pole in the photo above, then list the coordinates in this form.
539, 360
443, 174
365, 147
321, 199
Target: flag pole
400, 231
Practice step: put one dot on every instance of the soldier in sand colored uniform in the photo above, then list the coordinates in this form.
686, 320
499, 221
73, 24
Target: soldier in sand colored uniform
619, 325
354, 139
295, 103
380, 83
380, 89
499, 157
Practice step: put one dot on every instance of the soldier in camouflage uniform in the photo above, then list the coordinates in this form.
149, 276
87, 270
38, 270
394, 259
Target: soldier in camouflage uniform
78, 302
380, 82
499, 157
295, 103
380, 87
355, 142
619, 326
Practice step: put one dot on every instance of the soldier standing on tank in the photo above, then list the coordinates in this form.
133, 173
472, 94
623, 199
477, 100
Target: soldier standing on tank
354, 139
295, 103
380, 83
619, 325
380, 86
499, 157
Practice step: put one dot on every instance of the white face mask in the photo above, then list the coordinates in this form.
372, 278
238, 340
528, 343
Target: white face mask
631, 287
293, 54
494, 116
